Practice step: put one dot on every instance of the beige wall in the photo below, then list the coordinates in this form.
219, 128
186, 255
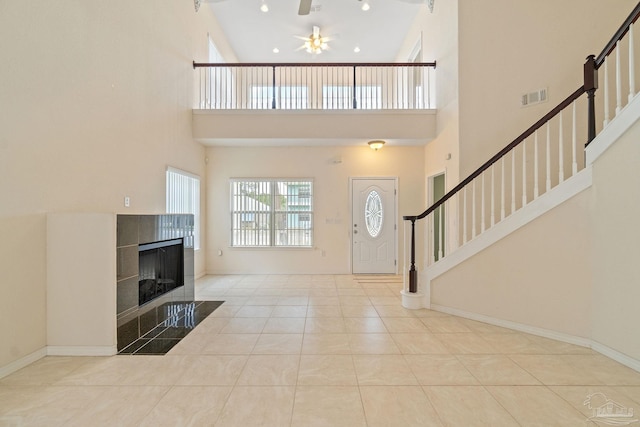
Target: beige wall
509, 48
95, 102
615, 251
537, 276
331, 168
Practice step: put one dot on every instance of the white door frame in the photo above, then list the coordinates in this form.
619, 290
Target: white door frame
395, 213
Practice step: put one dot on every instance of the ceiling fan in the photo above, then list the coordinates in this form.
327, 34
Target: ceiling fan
315, 43
305, 7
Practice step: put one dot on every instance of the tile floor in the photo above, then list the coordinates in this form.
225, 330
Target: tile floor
323, 351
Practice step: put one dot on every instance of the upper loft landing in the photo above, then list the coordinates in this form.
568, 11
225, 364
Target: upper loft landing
314, 103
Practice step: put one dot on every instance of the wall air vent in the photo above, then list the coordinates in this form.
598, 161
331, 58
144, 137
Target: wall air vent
533, 98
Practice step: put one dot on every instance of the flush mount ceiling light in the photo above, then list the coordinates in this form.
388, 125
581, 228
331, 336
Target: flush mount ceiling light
264, 6
365, 5
376, 144
315, 43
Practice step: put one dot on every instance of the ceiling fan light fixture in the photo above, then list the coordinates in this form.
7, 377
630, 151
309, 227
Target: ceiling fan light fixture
375, 145
316, 43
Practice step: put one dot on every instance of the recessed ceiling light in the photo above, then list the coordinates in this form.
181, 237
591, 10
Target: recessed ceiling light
264, 7
356, 49
365, 6
276, 50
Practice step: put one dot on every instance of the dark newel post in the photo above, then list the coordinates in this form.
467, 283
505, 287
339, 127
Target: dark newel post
355, 100
273, 83
413, 274
590, 86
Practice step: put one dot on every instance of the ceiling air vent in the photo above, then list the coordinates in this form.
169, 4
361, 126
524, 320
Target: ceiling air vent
316, 8
535, 97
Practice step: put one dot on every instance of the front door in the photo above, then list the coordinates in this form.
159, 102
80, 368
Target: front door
373, 220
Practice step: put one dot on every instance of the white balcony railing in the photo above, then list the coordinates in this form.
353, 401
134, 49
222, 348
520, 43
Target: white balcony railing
336, 86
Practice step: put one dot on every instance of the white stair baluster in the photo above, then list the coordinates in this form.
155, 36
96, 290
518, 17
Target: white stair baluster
473, 210
548, 156
606, 92
493, 196
560, 151
502, 191
464, 215
574, 143
513, 181
632, 66
618, 80
482, 214
524, 173
535, 165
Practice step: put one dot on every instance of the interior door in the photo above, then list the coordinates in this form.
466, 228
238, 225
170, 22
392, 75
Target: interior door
374, 225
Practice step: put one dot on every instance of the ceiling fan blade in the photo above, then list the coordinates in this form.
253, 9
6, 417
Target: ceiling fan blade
305, 7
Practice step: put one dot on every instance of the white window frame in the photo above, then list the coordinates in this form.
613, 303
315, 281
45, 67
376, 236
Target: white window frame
183, 197
268, 224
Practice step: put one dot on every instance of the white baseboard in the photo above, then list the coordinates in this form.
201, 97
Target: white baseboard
546, 333
61, 350
22, 362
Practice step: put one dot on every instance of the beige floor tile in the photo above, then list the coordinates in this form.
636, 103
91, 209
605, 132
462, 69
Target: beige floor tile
604, 369
322, 292
359, 311
380, 292
485, 328
44, 405
424, 312
48, 370
496, 370
334, 406
240, 325
327, 370
101, 371
251, 406
278, 344
356, 300
513, 343
439, 369
121, 406
404, 325
536, 405
377, 300
398, 406
364, 325
372, 344
351, 292
167, 370
324, 325
284, 325
188, 406
445, 325
231, 344
225, 310
326, 344
211, 370
293, 300
255, 311
419, 344
324, 311
587, 398
463, 406
289, 311
210, 326
260, 299
383, 370
553, 370
466, 343
279, 369
324, 300
559, 347
394, 311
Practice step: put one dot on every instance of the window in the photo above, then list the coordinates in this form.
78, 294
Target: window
341, 97
271, 213
183, 196
287, 97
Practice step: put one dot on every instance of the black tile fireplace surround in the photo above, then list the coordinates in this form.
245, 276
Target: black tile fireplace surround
171, 311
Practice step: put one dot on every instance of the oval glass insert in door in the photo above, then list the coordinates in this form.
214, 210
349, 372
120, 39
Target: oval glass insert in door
373, 214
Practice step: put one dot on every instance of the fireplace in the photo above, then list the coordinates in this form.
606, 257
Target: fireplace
161, 269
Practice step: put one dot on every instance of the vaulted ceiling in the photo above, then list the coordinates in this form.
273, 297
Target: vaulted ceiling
377, 32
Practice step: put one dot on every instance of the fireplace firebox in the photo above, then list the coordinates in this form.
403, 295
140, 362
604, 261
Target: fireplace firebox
161, 269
